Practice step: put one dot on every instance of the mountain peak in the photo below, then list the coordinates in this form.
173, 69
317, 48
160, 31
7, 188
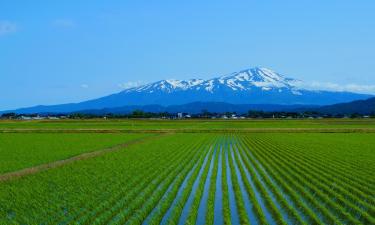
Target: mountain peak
257, 77
256, 85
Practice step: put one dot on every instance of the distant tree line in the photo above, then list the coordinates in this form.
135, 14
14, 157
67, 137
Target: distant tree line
203, 114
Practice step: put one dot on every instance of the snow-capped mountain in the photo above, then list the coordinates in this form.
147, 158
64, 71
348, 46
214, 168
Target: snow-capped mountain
244, 80
251, 86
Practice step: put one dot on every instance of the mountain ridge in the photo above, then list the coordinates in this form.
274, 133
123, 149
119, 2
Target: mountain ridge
255, 86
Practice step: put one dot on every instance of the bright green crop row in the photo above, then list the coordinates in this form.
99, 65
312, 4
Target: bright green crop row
77, 189
140, 124
305, 178
23, 150
173, 179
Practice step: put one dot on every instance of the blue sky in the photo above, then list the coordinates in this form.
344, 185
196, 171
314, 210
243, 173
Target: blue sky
67, 51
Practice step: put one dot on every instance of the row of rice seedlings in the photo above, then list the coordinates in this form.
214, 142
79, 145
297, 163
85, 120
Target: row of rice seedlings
57, 199
156, 216
352, 168
147, 208
249, 205
194, 207
218, 207
123, 202
225, 190
173, 217
265, 196
261, 152
141, 214
256, 208
170, 172
82, 206
144, 170
350, 179
237, 192
209, 219
339, 204
125, 192
292, 212
282, 183
164, 210
187, 184
170, 197
203, 205
342, 187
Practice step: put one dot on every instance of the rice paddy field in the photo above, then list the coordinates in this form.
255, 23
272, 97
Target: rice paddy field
219, 172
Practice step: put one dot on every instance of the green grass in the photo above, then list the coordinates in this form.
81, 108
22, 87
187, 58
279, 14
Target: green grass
195, 124
23, 150
299, 178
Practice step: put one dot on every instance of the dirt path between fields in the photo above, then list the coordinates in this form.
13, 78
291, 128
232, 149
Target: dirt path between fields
35, 169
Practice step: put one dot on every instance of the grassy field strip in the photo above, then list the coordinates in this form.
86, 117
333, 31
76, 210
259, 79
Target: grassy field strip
285, 204
165, 177
335, 167
316, 199
358, 198
149, 205
193, 130
217, 218
195, 198
22, 151
133, 184
146, 124
36, 169
314, 216
351, 211
204, 207
174, 211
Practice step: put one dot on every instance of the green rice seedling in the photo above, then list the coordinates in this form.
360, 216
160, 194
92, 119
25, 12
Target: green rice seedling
193, 211
226, 206
237, 191
176, 213
292, 212
212, 191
